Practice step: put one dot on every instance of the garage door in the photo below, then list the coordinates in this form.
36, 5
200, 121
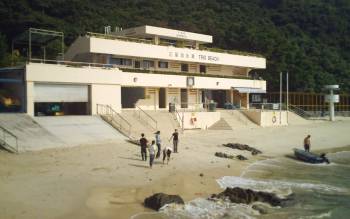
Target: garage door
60, 93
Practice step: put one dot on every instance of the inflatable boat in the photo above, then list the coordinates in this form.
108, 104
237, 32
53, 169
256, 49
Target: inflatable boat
310, 157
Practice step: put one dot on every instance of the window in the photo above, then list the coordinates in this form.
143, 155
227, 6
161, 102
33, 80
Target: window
121, 61
184, 67
147, 64
162, 64
202, 69
137, 64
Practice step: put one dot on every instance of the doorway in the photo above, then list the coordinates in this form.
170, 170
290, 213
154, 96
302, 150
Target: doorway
184, 98
161, 98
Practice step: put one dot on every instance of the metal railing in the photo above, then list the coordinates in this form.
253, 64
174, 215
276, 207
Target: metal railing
114, 119
299, 111
142, 115
179, 118
8, 140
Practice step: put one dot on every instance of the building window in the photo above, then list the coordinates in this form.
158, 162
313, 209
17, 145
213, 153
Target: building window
137, 64
184, 67
121, 61
147, 64
162, 64
202, 69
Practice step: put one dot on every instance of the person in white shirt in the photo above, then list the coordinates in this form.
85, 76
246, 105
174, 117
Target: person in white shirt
152, 151
158, 143
166, 154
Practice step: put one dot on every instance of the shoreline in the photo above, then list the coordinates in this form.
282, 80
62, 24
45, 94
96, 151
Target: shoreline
200, 187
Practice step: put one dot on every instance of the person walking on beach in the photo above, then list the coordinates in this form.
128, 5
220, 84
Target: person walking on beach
143, 143
175, 137
158, 141
152, 152
307, 143
166, 154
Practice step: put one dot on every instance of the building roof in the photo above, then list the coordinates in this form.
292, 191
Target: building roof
165, 33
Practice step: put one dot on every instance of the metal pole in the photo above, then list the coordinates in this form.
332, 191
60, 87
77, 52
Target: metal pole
12, 46
280, 97
30, 44
331, 105
287, 100
62, 46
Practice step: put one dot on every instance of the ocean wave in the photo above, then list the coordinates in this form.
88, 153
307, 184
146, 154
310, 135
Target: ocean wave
342, 157
201, 208
279, 187
319, 216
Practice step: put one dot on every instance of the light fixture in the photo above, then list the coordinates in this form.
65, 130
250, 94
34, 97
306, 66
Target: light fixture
217, 83
135, 79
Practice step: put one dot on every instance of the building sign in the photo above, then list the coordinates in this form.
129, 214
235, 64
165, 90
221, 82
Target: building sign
193, 56
181, 34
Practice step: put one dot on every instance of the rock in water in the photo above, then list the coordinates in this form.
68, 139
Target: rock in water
241, 157
243, 147
248, 196
224, 155
158, 200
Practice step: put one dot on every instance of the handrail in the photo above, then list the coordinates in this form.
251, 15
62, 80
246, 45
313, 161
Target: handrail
5, 131
149, 116
110, 111
299, 111
177, 114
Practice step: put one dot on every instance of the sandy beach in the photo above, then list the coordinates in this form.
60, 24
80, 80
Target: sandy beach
111, 180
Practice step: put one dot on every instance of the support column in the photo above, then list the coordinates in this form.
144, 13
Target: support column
30, 98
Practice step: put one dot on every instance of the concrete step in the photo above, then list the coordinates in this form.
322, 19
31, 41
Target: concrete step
220, 125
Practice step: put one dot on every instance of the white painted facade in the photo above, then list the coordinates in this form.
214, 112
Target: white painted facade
122, 67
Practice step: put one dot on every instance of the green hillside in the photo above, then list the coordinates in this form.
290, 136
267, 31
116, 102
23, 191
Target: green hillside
309, 39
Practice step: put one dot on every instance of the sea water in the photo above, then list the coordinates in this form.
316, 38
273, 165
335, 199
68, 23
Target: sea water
319, 191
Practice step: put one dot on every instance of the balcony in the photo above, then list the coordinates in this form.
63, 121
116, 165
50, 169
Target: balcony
164, 43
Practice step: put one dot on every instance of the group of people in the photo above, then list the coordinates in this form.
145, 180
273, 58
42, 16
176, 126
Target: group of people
155, 148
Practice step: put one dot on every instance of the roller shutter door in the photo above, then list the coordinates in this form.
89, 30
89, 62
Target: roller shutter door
60, 93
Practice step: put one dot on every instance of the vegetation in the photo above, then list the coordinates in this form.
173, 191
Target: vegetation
309, 39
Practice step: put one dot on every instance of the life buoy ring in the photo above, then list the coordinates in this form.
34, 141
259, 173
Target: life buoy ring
193, 120
274, 119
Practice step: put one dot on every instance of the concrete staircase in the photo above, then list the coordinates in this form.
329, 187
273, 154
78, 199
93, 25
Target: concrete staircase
220, 125
236, 119
165, 121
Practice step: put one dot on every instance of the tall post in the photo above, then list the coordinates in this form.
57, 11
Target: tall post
30, 45
62, 46
287, 100
331, 105
280, 97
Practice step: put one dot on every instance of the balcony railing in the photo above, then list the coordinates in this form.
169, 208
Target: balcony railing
133, 70
138, 40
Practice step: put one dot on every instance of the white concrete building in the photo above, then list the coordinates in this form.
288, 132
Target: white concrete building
148, 67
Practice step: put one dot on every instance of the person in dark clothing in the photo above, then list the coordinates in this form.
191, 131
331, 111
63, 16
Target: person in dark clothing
143, 143
175, 137
307, 143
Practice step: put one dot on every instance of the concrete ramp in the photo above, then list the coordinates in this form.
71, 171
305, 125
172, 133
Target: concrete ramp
236, 119
77, 130
31, 136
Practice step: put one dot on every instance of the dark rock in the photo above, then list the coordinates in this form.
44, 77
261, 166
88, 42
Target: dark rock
224, 155
201, 174
260, 208
158, 200
245, 147
241, 157
248, 196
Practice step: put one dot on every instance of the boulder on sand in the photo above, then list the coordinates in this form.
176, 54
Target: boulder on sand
158, 200
224, 155
246, 147
248, 196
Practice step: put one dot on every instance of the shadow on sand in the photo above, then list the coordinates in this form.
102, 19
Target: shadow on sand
137, 165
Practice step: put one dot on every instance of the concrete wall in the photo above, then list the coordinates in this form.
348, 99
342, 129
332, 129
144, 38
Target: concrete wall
199, 120
267, 118
105, 94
